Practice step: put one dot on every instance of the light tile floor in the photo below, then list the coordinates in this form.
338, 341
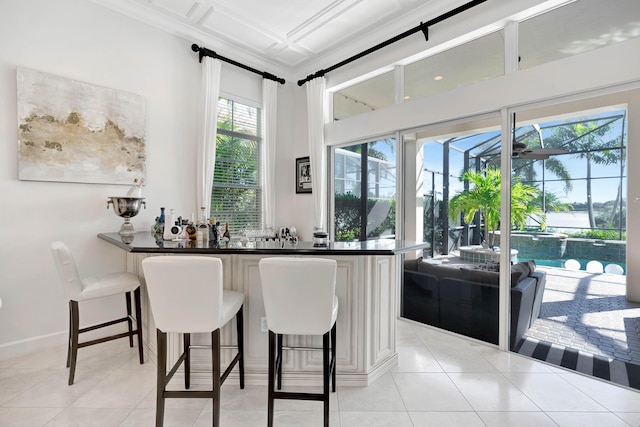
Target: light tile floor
440, 380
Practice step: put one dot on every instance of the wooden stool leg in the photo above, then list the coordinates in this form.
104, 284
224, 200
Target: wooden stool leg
136, 294
70, 336
333, 357
186, 342
129, 322
279, 361
271, 381
240, 333
215, 356
326, 376
161, 376
75, 328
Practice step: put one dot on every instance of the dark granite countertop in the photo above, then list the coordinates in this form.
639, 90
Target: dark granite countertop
145, 242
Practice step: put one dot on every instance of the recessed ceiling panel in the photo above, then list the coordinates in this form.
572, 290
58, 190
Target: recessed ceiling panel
178, 7
282, 32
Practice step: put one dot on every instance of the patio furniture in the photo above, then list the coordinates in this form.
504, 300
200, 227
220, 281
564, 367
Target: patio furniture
594, 267
464, 299
613, 269
572, 264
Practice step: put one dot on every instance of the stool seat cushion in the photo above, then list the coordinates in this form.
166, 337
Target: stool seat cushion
186, 293
299, 294
81, 289
104, 286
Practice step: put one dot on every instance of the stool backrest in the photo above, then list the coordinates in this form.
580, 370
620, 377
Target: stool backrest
185, 292
298, 294
67, 270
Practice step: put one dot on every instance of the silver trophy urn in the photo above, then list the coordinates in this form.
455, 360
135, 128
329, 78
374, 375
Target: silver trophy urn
126, 207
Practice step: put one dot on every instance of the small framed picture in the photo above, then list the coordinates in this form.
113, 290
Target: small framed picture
303, 175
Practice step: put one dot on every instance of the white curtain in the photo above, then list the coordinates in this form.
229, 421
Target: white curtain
317, 150
208, 128
269, 108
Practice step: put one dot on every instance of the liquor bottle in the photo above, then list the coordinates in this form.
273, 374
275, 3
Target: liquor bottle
226, 236
214, 235
202, 234
161, 222
136, 188
191, 227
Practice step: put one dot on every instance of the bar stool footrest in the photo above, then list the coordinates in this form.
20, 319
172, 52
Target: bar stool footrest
290, 395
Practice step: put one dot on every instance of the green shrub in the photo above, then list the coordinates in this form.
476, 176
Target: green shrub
348, 217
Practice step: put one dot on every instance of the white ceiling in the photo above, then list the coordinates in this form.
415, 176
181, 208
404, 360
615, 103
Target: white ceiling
285, 33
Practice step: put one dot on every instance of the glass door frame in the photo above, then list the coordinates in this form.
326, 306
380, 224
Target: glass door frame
604, 98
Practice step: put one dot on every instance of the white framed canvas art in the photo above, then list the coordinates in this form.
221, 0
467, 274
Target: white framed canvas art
71, 131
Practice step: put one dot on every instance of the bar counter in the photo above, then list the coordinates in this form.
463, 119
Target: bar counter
367, 286
145, 242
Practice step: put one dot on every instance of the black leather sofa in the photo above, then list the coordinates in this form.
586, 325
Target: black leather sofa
464, 299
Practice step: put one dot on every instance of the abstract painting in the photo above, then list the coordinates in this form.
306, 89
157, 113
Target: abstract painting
70, 131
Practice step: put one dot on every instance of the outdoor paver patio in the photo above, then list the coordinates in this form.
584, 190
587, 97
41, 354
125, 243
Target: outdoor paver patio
589, 312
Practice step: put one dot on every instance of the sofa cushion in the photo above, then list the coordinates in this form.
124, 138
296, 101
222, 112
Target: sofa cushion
480, 276
519, 272
440, 271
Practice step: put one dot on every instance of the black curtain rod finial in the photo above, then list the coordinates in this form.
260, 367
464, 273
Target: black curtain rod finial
306, 79
203, 51
270, 76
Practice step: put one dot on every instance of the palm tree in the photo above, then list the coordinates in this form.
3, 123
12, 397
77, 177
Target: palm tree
484, 198
585, 141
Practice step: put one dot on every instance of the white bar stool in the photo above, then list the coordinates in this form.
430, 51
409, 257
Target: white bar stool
78, 289
300, 299
186, 296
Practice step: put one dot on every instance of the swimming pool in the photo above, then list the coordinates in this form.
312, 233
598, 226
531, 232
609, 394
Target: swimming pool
583, 263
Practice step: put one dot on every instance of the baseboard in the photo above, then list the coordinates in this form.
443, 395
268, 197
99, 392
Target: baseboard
21, 348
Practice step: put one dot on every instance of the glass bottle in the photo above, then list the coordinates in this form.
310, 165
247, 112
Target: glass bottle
213, 231
136, 188
191, 227
161, 222
226, 236
202, 233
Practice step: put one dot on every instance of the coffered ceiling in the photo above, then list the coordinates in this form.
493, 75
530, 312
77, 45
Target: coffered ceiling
284, 33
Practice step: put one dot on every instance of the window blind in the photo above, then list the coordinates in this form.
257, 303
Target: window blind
236, 196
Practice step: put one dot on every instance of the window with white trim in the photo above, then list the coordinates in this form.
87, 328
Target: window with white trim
236, 196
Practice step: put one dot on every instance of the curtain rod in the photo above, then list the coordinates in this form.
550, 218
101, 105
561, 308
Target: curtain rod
424, 27
203, 51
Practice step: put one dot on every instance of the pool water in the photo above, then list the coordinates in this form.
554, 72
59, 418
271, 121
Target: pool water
583, 263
